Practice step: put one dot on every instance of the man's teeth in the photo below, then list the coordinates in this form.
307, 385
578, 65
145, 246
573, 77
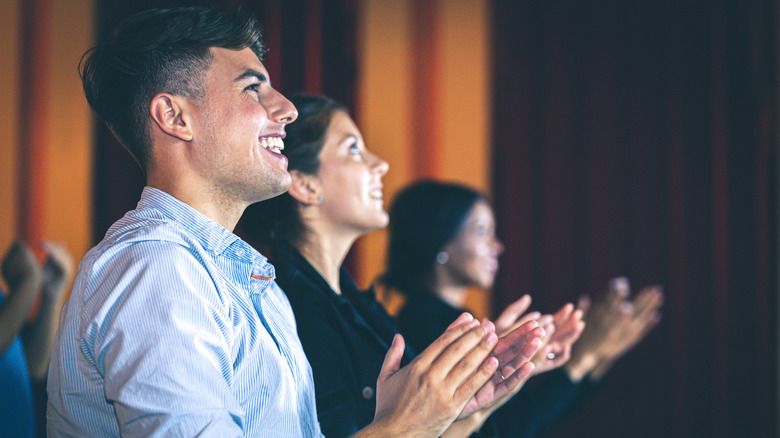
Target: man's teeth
376, 194
274, 143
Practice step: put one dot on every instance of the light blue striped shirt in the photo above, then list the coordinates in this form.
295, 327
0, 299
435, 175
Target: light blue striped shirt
175, 327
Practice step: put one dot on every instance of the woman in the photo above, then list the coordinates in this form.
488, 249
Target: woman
443, 242
335, 197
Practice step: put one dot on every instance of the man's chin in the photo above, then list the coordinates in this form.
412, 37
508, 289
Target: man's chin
277, 190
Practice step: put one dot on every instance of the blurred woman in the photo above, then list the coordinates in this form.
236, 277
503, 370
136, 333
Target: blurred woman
443, 242
336, 197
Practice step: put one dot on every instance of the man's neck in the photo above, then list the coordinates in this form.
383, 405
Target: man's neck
212, 205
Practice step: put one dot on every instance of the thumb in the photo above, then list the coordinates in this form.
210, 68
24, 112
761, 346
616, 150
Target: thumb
393, 357
512, 313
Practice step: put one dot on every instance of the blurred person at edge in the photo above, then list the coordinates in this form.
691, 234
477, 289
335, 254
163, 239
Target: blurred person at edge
25, 347
443, 242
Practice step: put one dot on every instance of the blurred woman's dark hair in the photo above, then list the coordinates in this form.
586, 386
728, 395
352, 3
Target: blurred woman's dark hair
276, 222
424, 218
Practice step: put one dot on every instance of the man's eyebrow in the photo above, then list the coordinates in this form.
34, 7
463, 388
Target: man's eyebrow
261, 77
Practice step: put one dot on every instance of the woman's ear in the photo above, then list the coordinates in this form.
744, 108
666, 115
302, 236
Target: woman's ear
170, 114
305, 188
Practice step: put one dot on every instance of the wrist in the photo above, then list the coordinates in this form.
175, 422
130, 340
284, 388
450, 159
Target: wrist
598, 371
579, 367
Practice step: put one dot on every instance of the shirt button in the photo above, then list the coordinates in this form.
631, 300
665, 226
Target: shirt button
368, 392
240, 252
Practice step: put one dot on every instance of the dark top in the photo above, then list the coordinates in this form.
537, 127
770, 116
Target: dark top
345, 338
534, 409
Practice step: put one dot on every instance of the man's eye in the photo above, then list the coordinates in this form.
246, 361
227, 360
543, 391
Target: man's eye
253, 87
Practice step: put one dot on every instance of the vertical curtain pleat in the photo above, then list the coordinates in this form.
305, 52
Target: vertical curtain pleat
639, 138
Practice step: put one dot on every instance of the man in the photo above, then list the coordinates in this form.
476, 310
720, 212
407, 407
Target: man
175, 326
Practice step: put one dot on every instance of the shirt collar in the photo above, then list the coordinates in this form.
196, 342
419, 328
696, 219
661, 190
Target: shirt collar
212, 236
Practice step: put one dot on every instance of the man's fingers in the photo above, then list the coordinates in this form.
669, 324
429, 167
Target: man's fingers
467, 364
472, 384
392, 362
444, 341
464, 354
463, 318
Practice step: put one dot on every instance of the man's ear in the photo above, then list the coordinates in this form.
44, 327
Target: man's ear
305, 188
170, 114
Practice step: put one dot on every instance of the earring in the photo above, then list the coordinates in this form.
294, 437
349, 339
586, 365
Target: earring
442, 257
320, 199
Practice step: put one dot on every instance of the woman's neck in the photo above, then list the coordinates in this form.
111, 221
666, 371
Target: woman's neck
325, 254
455, 296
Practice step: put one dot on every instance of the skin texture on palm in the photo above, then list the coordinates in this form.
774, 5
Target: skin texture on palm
443, 385
562, 329
614, 325
517, 345
556, 334
514, 352
423, 398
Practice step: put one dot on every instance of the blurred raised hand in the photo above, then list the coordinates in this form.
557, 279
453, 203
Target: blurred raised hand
58, 268
23, 276
57, 273
613, 326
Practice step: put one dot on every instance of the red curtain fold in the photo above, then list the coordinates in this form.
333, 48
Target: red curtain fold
36, 26
639, 138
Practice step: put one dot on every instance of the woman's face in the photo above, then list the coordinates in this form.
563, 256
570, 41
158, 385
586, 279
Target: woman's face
350, 178
473, 253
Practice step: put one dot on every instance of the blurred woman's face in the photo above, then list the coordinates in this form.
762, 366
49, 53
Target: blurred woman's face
351, 179
473, 253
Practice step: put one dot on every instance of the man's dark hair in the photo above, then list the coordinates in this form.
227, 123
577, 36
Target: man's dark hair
158, 51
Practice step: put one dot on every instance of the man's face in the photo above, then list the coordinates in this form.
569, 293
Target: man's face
238, 129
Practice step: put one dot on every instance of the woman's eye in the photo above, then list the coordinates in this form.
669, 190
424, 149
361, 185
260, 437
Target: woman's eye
354, 150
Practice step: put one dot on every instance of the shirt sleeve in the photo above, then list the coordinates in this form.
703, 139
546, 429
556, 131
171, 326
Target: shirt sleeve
161, 339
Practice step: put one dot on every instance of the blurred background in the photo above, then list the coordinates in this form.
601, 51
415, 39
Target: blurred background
615, 137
